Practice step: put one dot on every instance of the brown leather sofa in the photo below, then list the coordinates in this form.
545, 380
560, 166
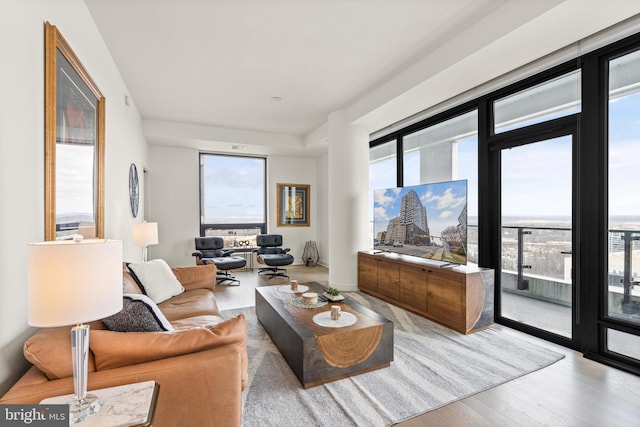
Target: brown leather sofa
201, 366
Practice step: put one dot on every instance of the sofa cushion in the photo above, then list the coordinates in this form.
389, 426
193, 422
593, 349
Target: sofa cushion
114, 349
49, 349
139, 314
200, 277
157, 279
198, 302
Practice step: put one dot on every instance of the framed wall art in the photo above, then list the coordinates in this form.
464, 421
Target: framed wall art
293, 205
74, 144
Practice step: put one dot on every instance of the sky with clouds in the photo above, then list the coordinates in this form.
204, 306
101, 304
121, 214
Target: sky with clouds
234, 189
443, 202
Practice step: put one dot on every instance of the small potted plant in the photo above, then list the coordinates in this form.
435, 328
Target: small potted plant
333, 294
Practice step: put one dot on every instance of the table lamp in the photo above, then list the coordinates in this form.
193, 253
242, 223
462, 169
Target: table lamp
70, 283
145, 234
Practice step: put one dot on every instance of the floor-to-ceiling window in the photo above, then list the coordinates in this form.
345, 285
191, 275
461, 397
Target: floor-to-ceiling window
382, 174
553, 164
232, 198
622, 285
534, 132
447, 151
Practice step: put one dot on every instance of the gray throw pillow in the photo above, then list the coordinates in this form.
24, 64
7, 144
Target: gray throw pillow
139, 314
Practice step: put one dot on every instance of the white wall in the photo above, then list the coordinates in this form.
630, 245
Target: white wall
22, 150
292, 170
174, 201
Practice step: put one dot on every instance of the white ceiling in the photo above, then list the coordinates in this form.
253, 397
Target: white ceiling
203, 73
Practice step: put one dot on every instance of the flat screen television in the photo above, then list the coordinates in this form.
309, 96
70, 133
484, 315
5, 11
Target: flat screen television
427, 221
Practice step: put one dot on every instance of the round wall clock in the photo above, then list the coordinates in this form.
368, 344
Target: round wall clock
134, 189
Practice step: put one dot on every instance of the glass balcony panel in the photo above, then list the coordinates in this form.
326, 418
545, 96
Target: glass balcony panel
623, 286
546, 251
537, 278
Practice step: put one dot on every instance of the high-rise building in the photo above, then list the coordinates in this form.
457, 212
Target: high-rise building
396, 230
462, 218
411, 226
412, 211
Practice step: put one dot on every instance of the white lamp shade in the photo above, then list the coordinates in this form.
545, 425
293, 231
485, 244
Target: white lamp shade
145, 233
73, 282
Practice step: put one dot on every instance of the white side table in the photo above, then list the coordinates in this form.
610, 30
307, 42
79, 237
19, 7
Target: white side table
125, 405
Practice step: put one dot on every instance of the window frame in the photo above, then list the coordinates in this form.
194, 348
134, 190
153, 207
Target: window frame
228, 226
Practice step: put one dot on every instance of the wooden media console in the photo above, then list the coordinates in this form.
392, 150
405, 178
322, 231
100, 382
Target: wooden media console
459, 297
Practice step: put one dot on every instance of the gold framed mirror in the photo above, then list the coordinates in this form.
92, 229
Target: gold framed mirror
74, 144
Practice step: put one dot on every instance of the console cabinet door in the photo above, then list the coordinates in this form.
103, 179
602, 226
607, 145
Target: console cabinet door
413, 287
445, 299
367, 273
389, 278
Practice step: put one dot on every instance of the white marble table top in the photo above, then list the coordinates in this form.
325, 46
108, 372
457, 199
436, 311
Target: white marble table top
125, 405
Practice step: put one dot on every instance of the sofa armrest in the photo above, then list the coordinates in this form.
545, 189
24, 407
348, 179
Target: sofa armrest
200, 389
196, 277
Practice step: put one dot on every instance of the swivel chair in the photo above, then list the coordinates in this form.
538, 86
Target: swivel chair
272, 255
209, 250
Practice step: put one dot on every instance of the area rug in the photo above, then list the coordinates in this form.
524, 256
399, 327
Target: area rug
432, 366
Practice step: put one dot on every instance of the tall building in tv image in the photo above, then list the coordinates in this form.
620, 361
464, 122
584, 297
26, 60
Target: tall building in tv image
428, 221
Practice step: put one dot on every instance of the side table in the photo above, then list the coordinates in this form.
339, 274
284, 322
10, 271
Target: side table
126, 405
246, 252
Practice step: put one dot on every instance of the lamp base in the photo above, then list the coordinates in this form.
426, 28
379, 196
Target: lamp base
82, 406
83, 409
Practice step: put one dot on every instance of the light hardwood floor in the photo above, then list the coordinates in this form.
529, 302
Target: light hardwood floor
572, 392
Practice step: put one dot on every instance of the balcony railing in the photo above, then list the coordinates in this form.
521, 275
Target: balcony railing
536, 262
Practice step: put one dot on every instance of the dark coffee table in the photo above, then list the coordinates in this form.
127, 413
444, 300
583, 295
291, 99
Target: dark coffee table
319, 354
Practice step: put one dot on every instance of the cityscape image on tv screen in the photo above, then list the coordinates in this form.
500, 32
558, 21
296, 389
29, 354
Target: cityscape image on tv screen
427, 220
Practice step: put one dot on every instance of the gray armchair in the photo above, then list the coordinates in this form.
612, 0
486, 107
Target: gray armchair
210, 250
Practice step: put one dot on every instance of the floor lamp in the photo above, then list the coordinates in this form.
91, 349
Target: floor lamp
71, 283
145, 234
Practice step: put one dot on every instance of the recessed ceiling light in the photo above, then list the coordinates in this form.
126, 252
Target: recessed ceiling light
276, 98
